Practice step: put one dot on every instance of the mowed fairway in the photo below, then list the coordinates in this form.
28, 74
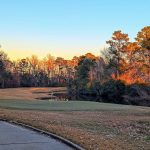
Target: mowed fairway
93, 125
52, 105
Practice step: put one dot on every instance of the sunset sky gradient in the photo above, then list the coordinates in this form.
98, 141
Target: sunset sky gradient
67, 27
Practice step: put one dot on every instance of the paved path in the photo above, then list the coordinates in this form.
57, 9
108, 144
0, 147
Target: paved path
14, 137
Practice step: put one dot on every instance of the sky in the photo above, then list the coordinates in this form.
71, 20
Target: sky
67, 27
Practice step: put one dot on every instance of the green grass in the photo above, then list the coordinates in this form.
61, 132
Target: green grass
148, 138
62, 105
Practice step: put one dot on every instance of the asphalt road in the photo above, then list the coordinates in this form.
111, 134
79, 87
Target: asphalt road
14, 137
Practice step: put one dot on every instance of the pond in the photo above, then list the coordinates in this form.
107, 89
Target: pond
64, 96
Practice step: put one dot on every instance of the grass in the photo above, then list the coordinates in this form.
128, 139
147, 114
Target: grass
93, 125
61, 105
148, 138
27, 93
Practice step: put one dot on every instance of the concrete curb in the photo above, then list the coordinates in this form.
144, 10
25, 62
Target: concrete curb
54, 136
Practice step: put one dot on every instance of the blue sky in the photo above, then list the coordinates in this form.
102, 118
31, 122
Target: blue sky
67, 27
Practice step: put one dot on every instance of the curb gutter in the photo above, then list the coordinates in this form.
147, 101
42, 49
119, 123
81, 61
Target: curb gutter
54, 136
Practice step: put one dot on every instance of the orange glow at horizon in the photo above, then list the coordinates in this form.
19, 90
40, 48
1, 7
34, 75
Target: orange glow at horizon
19, 54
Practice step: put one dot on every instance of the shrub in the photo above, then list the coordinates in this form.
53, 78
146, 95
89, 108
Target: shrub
137, 90
112, 91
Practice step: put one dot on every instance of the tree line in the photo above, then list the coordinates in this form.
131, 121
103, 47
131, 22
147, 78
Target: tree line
33, 72
122, 64
124, 70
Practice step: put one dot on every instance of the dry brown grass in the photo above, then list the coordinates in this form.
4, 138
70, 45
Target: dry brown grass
92, 130
27, 93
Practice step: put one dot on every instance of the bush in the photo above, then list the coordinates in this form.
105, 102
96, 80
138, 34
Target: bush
113, 91
137, 90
